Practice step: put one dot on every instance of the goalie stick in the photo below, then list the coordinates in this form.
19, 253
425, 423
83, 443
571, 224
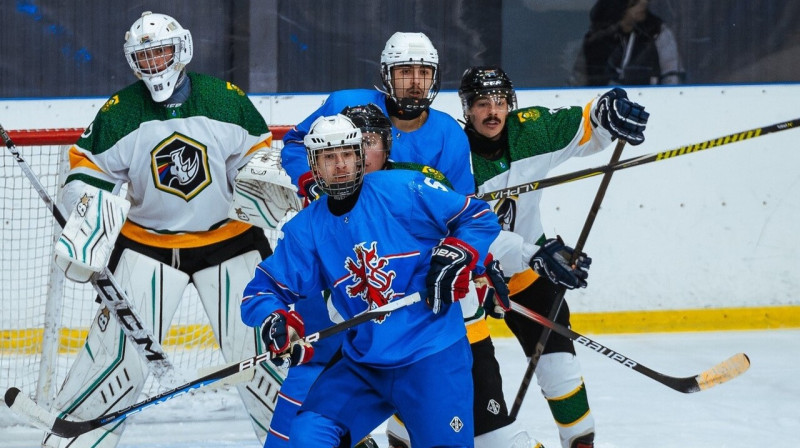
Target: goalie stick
41, 418
109, 291
555, 308
641, 160
720, 373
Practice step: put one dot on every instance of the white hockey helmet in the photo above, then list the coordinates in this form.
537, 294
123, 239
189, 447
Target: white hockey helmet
329, 135
410, 49
149, 36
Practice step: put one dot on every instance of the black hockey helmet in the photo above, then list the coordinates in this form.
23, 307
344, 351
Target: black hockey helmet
370, 118
483, 81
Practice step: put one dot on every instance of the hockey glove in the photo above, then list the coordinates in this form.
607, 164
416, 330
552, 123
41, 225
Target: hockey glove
283, 332
492, 289
623, 118
308, 188
552, 261
448, 279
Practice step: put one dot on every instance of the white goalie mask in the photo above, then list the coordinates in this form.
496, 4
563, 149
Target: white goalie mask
157, 49
333, 147
410, 49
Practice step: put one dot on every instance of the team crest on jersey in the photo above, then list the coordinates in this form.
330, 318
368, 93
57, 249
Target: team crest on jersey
506, 211
114, 100
528, 115
180, 166
232, 86
371, 282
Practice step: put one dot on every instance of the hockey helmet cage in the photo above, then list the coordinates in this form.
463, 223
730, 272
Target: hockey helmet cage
150, 36
485, 81
410, 49
329, 134
370, 118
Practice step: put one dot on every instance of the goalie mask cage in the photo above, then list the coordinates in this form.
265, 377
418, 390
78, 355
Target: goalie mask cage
44, 319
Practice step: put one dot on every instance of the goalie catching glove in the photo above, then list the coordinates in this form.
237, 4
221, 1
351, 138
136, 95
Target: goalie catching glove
552, 261
87, 240
492, 289
621, 117
283, 332
263, 192
451, 268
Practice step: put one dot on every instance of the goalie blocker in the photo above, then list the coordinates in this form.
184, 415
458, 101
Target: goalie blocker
88, 237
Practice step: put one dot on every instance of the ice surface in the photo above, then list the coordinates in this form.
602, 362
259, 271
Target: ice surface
631, 410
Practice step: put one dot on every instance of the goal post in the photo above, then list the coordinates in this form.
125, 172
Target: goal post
44, 319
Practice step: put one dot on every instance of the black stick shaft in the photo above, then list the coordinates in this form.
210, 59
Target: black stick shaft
641, 160
559, 300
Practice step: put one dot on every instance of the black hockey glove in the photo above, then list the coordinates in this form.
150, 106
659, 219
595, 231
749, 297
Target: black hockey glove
492, 289
623, 118
448, 279
283, 332
552, 261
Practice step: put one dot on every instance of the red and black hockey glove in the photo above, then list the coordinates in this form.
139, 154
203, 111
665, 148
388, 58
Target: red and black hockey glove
307, 188
492, 289
448, 279
283, 332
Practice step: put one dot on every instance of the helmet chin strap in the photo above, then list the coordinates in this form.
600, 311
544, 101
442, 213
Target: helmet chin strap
395, 110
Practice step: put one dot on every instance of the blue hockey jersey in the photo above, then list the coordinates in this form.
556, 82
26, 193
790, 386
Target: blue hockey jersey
378, 251
440, 143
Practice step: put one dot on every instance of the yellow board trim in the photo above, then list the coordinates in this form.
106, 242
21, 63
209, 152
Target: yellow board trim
717, 319
29, 341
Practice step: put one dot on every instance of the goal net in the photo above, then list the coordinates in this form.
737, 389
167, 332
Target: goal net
44, 318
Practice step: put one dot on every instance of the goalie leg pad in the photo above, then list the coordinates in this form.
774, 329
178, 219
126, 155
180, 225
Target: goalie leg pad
109, 373
220, 289
559, 377
396, 433
91, 388
88, 236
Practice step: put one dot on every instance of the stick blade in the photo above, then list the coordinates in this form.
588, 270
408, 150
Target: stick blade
724, 371
26, 408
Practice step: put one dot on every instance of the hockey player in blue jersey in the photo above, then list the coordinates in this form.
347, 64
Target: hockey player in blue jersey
410, 76
372, 239
376, 143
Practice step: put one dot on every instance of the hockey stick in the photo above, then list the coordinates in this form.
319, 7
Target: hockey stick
720, 373
559, 300
25, 407
110, 292
635, 161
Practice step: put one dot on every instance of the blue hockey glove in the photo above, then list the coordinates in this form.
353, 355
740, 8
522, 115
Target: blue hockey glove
552, 262
283, 332
623, 118
492, 289
448, 279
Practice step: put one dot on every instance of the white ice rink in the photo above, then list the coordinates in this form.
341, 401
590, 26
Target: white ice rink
758, 409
